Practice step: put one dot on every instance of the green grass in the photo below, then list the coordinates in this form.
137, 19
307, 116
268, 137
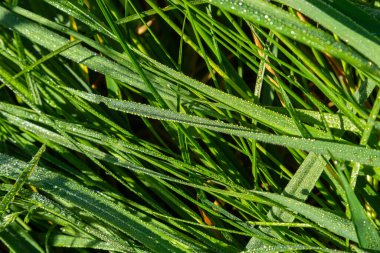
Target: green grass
189, 126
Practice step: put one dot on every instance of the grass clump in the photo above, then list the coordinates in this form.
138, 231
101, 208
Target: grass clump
189, 126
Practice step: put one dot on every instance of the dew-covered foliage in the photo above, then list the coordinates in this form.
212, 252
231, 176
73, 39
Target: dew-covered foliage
189, 126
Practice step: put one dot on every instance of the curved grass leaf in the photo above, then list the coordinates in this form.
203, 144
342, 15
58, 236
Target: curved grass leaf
64, 217
65, 188
87, 150
77, 53
333, 16
122, 219
102, 139
330, 221
366, 231
268, 15
18, 240
77, 12
53, 41
78, 195
185, 178
342, 151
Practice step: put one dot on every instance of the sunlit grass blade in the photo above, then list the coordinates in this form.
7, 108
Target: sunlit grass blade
270, 16
344, 151
340, 23
330, 221
66, 241
88, 200
21, 180
79, 13
94, 61
299, 187
189, 126
290, 248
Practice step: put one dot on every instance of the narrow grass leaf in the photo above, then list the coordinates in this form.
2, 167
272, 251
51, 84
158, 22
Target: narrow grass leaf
124, 220
104, 140
299, 187
79, 13
332, 15
290, 248
341, 150
17, 239
268, 15
174, 147
68, 241
21, 180
328, 220
53, 41
366, 231
333, 120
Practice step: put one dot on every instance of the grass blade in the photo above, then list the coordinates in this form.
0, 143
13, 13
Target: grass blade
330, 221
366, 231
21, 180
88, 200
18, 240
299, 187
53, 41
333, 16
342, 151
66, 241
266, 14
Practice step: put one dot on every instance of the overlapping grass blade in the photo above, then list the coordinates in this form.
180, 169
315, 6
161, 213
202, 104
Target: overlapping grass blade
66, 241
335, 17
270, 16
342, 151
325, 219
299, 187
18, 239
79, 13
366, 231
125, 220
124, 175
21, 180
54, 41
330, 221
100, 138
290, 248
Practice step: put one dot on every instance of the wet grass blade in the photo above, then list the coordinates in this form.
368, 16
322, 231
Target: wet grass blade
290, 248
122, 219
204, 124
299, 187
53, 41
21, 180
268, 15
366, 231
330, 221
343, 151
66, 241
335, 17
